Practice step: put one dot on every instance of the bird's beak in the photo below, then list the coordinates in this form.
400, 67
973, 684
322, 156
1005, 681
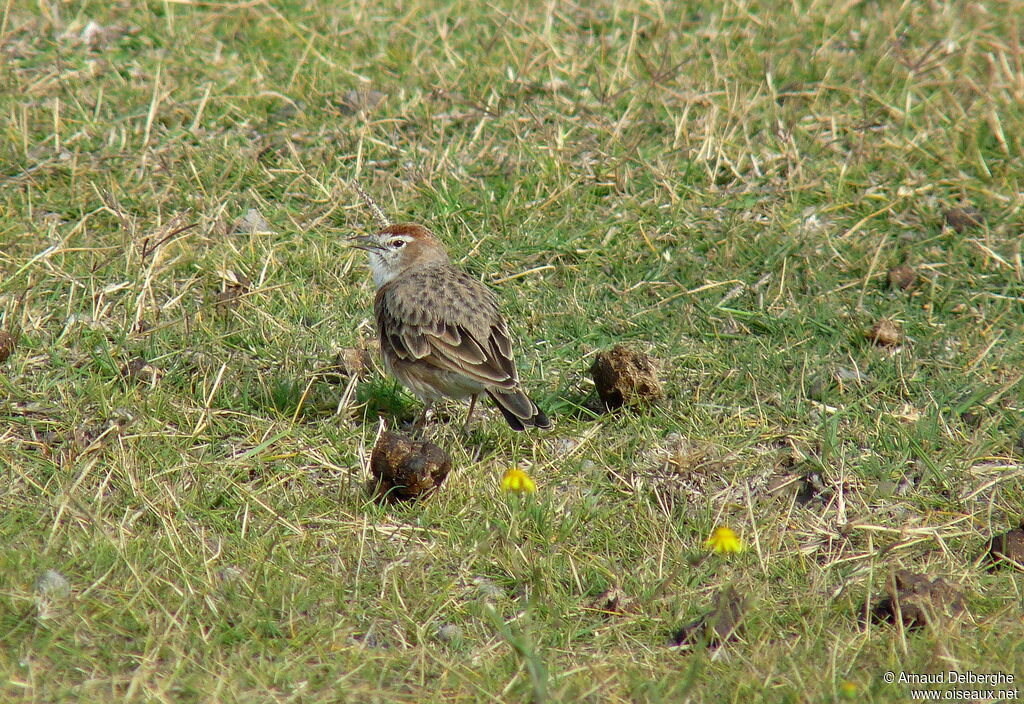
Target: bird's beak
366, 243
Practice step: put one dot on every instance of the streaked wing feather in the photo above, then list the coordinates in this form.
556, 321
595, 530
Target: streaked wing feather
499, 336
466, 350
455, 326
417, 344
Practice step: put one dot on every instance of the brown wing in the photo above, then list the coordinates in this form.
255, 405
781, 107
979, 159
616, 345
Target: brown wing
450, 320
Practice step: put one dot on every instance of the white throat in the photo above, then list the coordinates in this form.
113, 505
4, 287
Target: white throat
382, 273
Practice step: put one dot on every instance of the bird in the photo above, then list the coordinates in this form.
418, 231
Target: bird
441, 331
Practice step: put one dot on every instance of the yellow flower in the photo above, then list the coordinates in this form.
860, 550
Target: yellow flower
848, 689
519, 481
724, 539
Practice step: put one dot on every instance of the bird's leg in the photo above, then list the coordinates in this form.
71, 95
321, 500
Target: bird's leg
421, 421
472, 405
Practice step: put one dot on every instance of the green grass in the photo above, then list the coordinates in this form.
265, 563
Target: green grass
722, 184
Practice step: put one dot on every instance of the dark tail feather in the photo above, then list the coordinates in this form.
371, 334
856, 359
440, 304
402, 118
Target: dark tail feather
519, 410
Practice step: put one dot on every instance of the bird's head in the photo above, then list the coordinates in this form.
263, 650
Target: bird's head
398, 248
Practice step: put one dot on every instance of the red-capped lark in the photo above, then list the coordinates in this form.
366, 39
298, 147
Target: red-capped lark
441, 333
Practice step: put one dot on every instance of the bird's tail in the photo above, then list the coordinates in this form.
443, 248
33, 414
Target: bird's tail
519, 410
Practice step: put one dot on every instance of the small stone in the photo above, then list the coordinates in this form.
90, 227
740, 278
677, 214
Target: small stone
97, 36
836, 380
53, 585
449, 633
252, 223
845, 375
902, 277
91, 33
122, 415
405, 469
230, 575
51, 588
885, 333
962, 219
364, 100
488, 589
625, 377
564, 446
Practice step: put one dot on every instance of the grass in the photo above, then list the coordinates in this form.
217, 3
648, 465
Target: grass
722, 184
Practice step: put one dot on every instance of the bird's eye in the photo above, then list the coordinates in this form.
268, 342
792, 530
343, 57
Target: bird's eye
396, 244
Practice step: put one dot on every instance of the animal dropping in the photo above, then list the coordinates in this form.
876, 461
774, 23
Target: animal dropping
404, 469
350, 363
917, 601
885, 333
625, 377
1006, 549
963, 219
721, 624
7, 345
902, 277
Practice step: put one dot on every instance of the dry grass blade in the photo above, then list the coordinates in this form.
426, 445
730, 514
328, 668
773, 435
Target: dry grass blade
189, 393
378, 213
